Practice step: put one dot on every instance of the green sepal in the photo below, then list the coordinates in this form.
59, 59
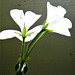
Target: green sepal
19, 73
24, 65
28, 58
25, 69
29, 34
45, 21
16, 66
24, 32
49, 30
18, 33
45, 26
19, 67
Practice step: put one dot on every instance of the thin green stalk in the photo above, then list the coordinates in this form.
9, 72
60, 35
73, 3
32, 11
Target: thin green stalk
29, 51
23, 43
30, 44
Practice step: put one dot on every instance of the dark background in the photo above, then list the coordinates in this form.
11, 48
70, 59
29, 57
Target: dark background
53, 55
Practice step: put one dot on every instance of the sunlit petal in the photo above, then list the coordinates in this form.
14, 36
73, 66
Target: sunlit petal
6, 34
36, 30
30, 19
18, 17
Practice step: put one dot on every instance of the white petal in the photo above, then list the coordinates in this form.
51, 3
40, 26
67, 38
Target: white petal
56, 20
50, 12
6, 34
63, 32
61, 27
30, 19
66, 23
36, 30
18, 36
54, 12
18, 17
60, 12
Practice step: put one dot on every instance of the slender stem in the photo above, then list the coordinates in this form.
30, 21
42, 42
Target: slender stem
23, 43
29, 51
30, 44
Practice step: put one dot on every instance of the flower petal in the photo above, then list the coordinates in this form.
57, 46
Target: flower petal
6, 34
61, 27
54, 12
56, 20
60, 11
36, 30
63, 32
18, 17
30, 19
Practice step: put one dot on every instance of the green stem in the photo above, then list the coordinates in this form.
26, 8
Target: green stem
30, 49
30, 44
23, 43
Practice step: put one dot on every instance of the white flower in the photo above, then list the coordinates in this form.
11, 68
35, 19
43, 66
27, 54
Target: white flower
22, 20
56, 20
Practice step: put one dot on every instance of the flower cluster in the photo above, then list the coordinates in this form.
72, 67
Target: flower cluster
55, 22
